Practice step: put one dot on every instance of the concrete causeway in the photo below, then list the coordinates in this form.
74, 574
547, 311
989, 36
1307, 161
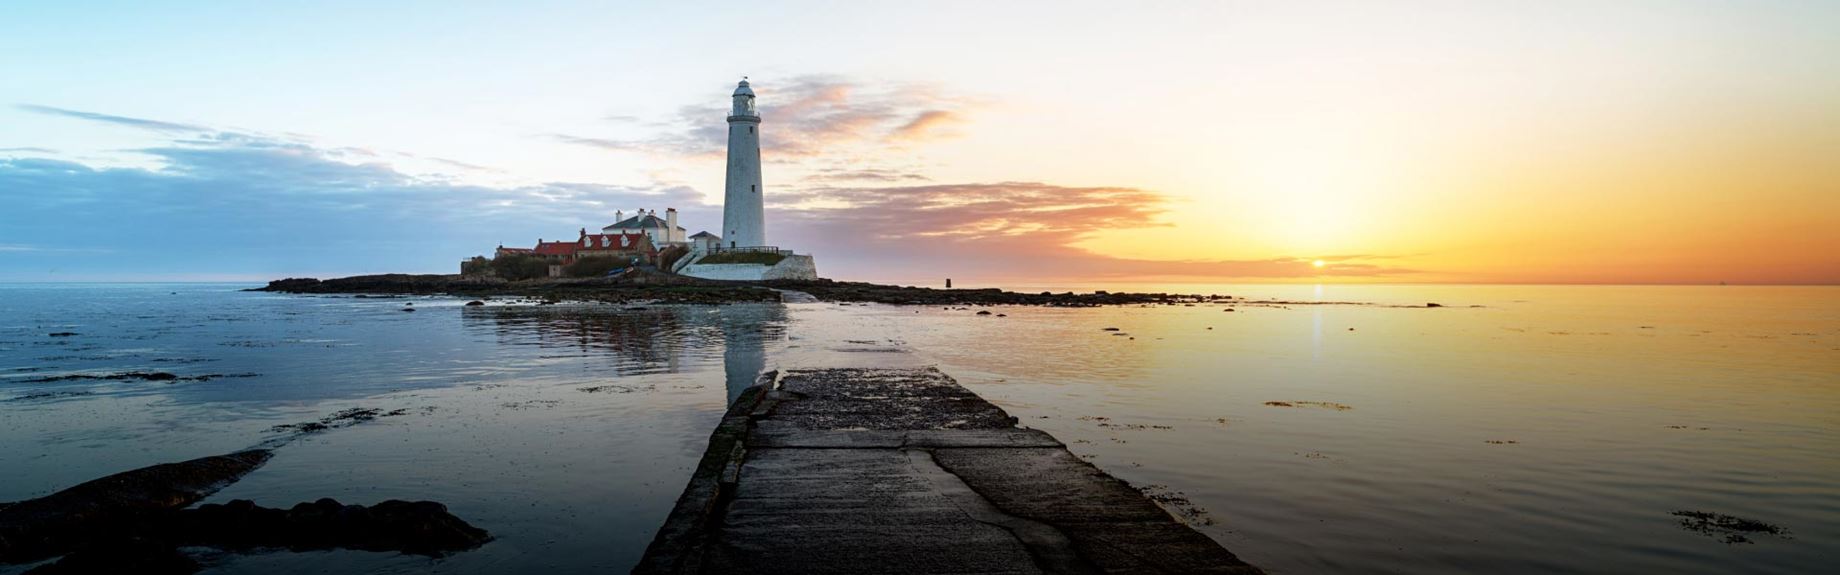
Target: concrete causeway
905, 471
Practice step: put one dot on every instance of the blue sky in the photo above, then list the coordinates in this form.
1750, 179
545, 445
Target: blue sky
1409, 141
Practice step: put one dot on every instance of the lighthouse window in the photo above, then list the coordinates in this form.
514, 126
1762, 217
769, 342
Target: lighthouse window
750, 129
752, 186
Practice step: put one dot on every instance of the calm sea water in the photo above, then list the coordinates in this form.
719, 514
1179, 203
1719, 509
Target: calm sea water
1549, 429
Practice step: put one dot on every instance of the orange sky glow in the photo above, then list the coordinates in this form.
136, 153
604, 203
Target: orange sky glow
1553, 142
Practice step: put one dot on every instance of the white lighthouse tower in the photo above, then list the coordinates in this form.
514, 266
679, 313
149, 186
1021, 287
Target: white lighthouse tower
744, 224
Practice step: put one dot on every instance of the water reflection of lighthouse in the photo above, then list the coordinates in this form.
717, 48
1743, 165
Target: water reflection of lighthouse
746, 329
642, 341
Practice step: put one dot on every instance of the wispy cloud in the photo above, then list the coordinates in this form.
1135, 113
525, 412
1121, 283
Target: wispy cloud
30, 150
1008, 229
249, 204
602, 143
253, 204
462, 165
925, 124
803, 117
25, 248
140, 123
828, 175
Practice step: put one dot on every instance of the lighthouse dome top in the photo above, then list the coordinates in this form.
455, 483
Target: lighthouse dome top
743, 89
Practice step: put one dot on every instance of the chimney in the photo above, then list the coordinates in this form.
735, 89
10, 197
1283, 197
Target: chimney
670, 223
619, 216
584, 232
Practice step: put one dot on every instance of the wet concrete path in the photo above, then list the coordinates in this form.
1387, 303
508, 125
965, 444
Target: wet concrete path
905, 471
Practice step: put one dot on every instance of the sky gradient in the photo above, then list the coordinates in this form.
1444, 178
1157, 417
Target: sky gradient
1550, 142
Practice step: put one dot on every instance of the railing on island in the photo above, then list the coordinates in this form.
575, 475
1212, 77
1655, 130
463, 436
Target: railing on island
750, 249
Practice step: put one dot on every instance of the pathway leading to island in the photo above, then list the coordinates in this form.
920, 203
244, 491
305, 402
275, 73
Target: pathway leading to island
905, 471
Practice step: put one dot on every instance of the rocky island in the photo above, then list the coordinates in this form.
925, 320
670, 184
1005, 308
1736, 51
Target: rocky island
653, 286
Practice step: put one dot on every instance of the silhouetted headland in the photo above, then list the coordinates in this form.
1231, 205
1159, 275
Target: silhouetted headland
670, 288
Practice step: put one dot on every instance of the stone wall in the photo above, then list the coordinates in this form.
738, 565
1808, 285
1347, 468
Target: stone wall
793, 267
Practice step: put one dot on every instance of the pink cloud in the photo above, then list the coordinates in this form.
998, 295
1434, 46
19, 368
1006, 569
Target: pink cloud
803, 117
926, 124
1008, 230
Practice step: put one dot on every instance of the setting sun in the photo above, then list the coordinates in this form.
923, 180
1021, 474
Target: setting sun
1318, 263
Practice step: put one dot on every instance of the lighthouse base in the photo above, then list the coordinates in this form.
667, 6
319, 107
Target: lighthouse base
792, 267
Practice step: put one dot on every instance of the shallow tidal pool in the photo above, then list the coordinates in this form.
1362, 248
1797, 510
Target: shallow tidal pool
1516, 429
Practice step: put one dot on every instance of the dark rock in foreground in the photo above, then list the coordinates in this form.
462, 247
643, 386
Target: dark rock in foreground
135, 522
413, 527
51, 525
150, 544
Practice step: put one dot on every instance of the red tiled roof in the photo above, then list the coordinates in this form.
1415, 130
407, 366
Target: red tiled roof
556, 248
587, 242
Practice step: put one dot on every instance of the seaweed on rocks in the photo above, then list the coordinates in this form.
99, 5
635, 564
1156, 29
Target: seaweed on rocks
137, 375
1178, 503
617, 388
1321, 404
342, 418
1733, 529
47, 395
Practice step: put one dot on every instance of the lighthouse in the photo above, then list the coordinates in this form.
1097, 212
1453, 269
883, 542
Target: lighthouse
744, 224
743, 221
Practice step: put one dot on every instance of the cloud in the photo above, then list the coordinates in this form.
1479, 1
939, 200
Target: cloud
30, 150
602, 143
981, 212
460, 164
1005, 230
802, 117
246, 204
925, 124
143, 124
22, 248
264, 206
866, 174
